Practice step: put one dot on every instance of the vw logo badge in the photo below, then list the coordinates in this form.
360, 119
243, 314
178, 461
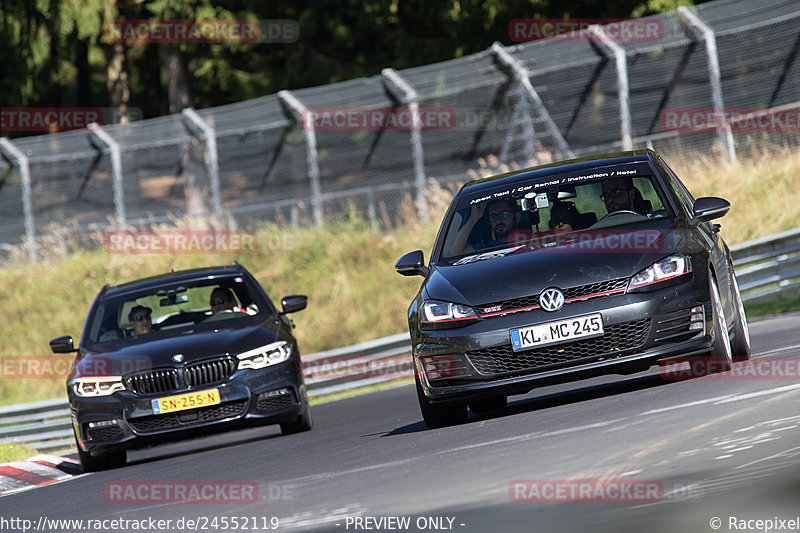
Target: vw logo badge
178, 357
551, 299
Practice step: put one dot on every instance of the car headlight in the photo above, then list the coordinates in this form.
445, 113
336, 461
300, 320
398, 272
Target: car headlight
96, 386
437, 314
271, 354
666, 269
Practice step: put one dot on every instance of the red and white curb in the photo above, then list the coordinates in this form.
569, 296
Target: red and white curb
35, 472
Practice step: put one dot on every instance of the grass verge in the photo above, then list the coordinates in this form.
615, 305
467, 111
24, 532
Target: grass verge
14, 452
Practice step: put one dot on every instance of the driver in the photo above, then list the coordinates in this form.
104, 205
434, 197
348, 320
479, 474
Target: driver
618, 194
222, 300
139, 317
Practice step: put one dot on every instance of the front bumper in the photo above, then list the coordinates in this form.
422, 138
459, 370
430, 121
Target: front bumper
125, 420
641, 329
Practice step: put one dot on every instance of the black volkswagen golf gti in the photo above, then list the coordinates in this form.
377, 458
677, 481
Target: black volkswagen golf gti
601, 265
179, 354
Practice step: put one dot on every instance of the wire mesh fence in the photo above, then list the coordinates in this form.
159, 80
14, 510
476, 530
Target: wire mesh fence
723, 76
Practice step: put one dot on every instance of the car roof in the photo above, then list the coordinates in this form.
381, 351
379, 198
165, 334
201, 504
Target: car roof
571, 165
174, 277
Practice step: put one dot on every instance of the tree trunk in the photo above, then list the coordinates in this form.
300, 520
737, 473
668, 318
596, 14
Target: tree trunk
118, 84
177, 79
84, 73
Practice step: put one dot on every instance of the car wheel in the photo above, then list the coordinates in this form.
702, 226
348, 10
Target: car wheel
439, 416
741, 333
721, 348
495, 403
304, 422
95, 463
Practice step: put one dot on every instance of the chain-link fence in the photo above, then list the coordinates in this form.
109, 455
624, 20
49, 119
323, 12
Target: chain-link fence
718, 77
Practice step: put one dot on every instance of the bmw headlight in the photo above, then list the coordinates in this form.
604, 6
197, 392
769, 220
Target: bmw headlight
96, 386
437, 314
262, 357
666, 269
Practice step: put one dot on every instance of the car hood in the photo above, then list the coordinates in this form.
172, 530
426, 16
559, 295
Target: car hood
522, 271
119, 359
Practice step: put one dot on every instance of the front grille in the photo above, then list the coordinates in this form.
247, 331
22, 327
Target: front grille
154, 423
272, 402
592, 290
165, 380
596, 289
104, 433
154, 381
617, 338
210, 371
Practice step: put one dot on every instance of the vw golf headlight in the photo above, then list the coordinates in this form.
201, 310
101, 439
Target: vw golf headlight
669, 268
437, 315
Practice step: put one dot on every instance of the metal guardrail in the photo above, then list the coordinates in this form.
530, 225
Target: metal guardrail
769, 267
765, 268
44, 425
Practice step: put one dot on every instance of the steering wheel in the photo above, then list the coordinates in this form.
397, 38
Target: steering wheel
219, 315
621, 211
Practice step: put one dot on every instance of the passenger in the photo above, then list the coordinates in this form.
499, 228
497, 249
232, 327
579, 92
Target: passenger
563, 217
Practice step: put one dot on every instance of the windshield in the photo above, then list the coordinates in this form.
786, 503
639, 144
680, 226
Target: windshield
168, 310
525, 212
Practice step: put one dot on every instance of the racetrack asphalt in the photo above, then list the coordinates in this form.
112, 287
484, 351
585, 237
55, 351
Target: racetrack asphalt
724, 447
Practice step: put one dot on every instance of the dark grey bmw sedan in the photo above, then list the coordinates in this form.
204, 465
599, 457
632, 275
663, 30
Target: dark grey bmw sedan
601, 265
182, 354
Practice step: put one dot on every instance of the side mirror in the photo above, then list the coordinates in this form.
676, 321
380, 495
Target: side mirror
412, 264
708, 208
295, 302
63, 345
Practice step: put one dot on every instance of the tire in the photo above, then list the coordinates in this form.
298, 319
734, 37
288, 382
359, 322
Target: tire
304, 421
439, 416
721, 355
95, 463
740, 347
495, 403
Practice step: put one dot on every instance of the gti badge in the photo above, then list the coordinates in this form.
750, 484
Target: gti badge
551, 299
178, 357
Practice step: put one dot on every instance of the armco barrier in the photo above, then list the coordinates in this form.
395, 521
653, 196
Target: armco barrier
768, 267
765, 268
